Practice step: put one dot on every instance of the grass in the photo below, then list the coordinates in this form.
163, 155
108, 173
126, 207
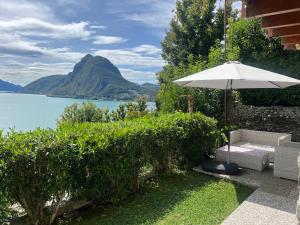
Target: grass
178, 199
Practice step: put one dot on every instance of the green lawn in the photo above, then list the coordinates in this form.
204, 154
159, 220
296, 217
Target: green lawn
190, 199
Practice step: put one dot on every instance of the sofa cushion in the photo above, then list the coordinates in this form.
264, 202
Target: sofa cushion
256, 159
262, 137
256, 146
243, 150
248, 145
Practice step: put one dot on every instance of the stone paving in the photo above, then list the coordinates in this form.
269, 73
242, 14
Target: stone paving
273, 203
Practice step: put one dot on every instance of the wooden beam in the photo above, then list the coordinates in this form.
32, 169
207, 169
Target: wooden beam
291, 40
261, 8
244, 9
281, 20
284, 31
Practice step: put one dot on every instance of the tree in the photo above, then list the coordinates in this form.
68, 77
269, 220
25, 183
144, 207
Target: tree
253, 47
192, 31
192, 44
188, 50
87, 112
171, 97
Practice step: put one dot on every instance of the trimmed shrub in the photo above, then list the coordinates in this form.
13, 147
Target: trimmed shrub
34, 172
100, 162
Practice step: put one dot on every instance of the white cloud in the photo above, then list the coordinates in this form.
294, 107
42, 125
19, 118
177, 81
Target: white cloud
153, 13
132, 57
74, 3
36, 27
22, 74
147, 49
15, 9
236, 4
17, 47
72, 7
105, 40
97, 27
139, 77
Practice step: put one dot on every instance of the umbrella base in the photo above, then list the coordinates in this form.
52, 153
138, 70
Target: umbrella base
221, 167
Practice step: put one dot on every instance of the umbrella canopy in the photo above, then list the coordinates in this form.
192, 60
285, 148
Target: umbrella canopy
234, 75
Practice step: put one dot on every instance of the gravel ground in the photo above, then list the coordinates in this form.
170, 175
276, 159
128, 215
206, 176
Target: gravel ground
262, 208
273, 203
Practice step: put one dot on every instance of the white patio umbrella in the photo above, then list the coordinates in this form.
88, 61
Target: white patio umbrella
234, 75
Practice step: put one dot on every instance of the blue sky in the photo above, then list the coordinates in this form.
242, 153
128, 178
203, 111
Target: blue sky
45, 37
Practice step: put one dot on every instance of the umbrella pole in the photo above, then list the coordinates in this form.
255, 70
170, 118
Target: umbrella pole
227, 97
229, 114
227, 121
225, 108
226, 125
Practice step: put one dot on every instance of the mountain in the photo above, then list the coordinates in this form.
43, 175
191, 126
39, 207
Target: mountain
150, 86
92, 78
44, 85
9, 87
150, 89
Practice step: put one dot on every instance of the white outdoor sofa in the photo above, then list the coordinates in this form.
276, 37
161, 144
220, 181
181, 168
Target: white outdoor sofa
286, 159
251, 149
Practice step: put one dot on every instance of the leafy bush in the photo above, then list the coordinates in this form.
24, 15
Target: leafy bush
172, 97
131, 110
34, 172
97, 161
88, 112
111, 155
6, 213
256, 49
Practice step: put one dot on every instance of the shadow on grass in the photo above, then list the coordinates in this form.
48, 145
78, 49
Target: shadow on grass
162, 195
242, 191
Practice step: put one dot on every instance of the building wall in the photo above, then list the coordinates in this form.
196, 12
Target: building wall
274, 119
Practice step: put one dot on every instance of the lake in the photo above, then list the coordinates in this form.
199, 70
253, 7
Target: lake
27, 112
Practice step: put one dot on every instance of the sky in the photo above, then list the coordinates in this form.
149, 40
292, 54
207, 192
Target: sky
47, 37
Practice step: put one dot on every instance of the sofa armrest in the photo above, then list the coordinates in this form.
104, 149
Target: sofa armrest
284, 139
235, 136
292, 145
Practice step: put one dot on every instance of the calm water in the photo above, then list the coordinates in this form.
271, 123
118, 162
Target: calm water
27, 112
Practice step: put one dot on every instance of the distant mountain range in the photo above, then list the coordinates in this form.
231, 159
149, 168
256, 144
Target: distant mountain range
92, 78
9, 87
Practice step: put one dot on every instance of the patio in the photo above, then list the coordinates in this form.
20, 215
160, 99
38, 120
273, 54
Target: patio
274, 201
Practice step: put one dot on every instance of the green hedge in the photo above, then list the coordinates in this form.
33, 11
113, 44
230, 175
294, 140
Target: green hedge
34, 169
97, 161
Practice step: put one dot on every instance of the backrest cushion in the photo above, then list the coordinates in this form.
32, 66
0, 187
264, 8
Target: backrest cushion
261, 137
292, 145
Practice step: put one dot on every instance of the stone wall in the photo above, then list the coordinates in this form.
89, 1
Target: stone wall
274, 119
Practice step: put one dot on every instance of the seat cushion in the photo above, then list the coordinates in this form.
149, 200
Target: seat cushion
245, 151
248, 145
255, 146
256, 159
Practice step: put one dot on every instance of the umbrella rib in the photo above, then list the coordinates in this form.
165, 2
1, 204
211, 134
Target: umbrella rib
275, 84
184, 85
